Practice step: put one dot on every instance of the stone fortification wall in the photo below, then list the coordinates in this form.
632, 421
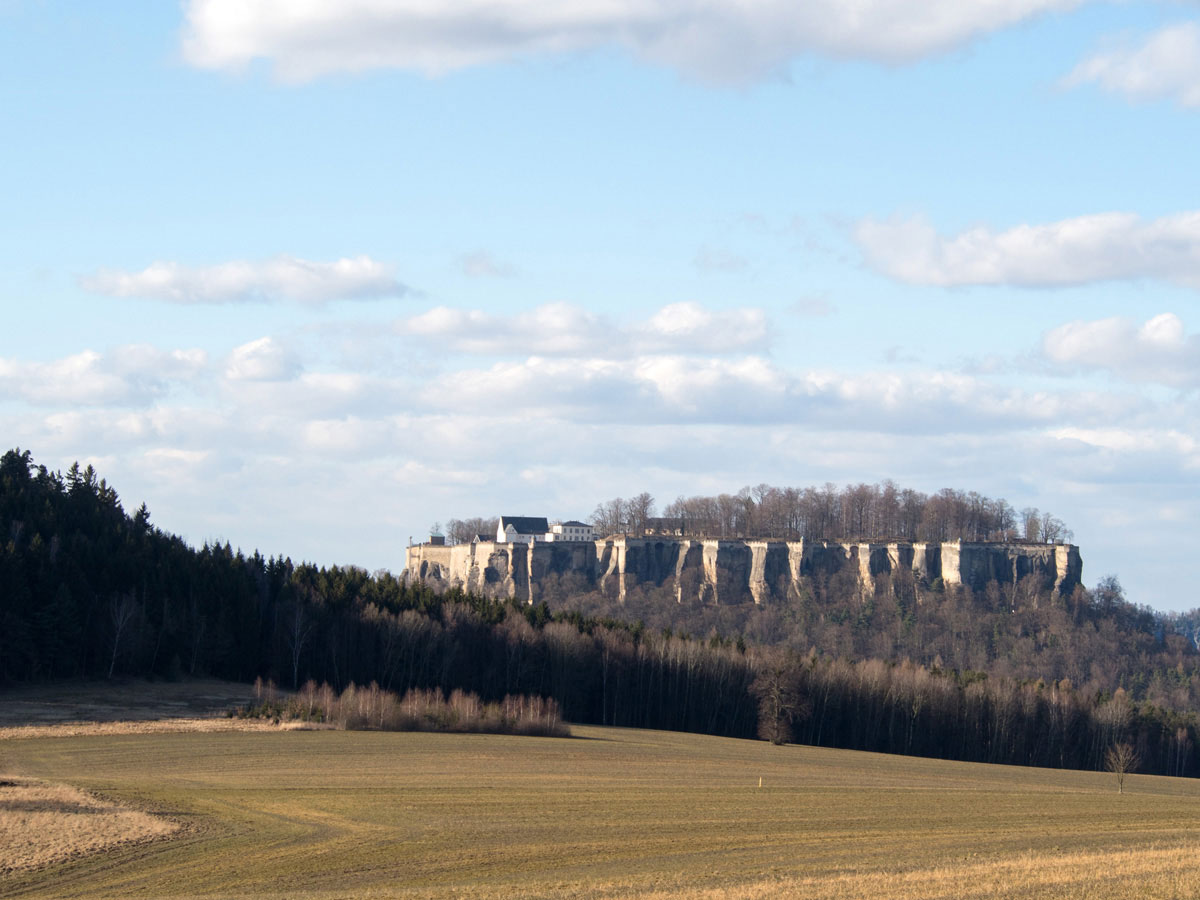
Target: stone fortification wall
732, 571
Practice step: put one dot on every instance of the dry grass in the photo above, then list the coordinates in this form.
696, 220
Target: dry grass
1153, 873
613, 814
163, 726
46, 823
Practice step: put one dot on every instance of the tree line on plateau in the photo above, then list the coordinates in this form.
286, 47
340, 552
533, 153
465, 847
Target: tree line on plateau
854, 512
88, 591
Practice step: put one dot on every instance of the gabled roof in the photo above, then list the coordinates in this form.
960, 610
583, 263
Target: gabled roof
578, 524
525, 524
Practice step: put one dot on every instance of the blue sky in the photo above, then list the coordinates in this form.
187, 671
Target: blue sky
310, 277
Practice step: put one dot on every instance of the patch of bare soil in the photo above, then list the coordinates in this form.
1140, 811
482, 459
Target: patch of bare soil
44, 823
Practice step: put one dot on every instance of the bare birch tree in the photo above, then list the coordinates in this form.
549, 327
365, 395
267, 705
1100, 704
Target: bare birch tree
1121, 759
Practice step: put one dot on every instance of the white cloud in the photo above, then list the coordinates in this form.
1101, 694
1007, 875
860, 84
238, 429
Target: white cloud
312, 395
261, 360
751, 389
1102, 247
556, 328
420, 475
176, 464
718, 40
1166, 64
1157, 351
281, 278
684, 327
349, 434
399, 452
1145, 441
561, 329
127, 376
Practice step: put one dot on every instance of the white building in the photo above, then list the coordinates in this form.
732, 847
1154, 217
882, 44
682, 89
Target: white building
571, 531
521, 529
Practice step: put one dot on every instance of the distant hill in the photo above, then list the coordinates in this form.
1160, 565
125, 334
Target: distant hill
1022, 675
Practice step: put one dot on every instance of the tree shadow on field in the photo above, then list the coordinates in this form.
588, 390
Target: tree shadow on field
51, 806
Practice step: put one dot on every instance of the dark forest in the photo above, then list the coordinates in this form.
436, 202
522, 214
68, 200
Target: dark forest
90, 591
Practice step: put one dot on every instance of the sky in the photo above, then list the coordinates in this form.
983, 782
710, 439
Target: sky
310, 277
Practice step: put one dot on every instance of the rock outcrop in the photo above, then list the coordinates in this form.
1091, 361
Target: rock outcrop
732, 571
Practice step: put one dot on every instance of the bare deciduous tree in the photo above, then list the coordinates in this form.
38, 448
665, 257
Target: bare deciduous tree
780, 701
638, 512
611, 517
1121, 759
463, 531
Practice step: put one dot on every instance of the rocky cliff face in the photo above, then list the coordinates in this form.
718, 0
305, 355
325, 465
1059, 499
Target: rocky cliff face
732, 571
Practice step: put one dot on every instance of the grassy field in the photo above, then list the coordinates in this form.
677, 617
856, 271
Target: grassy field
609, 813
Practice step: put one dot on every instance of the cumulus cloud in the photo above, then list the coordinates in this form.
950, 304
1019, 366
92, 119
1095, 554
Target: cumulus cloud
261, 360
281, 278
1103, 247
680, 327
561, 329
719, 40
556, 328
1157, 350
1165, 64
131, 375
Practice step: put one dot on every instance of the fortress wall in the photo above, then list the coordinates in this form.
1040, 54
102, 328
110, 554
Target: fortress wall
430, 563
732, 571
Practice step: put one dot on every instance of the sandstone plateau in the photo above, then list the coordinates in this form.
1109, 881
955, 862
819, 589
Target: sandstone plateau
732, 571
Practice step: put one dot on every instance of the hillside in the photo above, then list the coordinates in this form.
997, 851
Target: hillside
88, 591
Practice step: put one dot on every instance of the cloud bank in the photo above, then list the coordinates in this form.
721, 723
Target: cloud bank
281, 278
730, 41
129, 376
1112, 246
561, 329
338, 461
